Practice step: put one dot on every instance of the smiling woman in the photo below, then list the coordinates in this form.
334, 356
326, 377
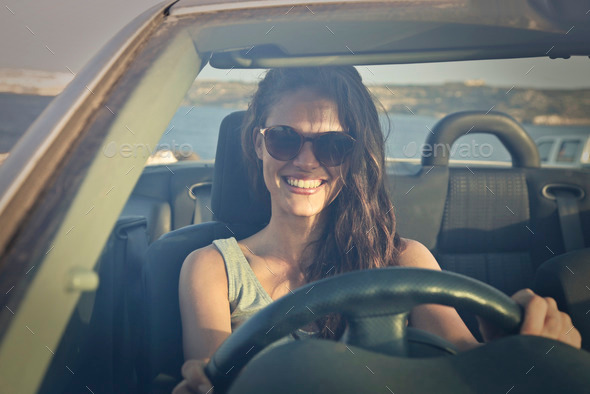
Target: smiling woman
322, 100
316, 231
327, 217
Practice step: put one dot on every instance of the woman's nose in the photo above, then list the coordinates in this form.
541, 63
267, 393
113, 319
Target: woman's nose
305, 158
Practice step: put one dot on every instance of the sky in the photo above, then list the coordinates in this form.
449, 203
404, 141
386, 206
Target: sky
63, 35
55, 35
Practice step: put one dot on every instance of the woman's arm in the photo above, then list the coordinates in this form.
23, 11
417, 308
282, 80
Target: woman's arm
204, 304
440, 320
541, 316
205, 313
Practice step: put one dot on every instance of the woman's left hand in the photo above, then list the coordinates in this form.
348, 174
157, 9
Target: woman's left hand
542, 318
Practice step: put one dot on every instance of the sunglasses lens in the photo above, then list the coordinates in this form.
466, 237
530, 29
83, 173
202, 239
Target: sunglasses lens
331, 149
282, 142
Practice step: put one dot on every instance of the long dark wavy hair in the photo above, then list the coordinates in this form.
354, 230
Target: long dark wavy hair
360, 230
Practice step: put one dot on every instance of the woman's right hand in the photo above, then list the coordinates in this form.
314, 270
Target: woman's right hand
195, 380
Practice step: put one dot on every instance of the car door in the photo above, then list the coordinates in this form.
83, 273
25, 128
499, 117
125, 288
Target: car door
61, 194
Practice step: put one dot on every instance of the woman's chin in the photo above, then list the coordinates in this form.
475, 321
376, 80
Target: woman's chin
304, 209
300, 205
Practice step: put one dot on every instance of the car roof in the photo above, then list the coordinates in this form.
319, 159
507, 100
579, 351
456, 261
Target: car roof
384, 32
531, 14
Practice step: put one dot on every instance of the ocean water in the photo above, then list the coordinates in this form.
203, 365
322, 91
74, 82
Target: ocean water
17, 113
197, 128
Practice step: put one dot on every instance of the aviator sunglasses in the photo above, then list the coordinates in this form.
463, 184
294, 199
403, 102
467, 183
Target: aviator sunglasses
284, 143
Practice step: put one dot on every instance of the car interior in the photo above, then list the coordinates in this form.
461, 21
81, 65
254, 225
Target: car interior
508, 226
480, 222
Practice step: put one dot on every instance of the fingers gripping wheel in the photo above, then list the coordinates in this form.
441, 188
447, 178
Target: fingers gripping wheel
375, 304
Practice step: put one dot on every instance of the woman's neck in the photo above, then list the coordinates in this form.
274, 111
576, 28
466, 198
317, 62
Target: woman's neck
286, 237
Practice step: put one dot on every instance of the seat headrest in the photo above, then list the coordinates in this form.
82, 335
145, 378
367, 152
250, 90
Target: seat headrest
445, 132
231, 196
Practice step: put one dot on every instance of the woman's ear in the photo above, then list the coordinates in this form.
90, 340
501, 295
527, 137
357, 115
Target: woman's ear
258, 141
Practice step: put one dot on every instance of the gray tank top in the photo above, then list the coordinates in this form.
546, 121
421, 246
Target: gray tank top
246, 294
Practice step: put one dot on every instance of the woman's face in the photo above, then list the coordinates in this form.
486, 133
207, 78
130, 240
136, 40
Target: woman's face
309, 114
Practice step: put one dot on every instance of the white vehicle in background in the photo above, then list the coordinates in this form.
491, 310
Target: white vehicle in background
564, 151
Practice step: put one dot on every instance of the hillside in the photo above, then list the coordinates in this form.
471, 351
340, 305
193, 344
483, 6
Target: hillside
533, 106
33, 82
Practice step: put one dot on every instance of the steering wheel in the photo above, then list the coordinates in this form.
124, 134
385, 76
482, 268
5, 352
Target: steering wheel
375, 304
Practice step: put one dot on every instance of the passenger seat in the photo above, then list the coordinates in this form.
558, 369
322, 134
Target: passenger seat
485, 231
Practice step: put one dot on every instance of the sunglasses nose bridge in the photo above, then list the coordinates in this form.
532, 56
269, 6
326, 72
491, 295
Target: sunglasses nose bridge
306, 149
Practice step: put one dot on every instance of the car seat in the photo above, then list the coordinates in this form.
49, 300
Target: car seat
235, 213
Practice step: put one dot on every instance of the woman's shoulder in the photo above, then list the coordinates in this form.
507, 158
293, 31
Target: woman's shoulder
207, 252
210, 252
416, 255
204, 264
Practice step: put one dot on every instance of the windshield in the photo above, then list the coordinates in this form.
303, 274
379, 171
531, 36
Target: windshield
548, 97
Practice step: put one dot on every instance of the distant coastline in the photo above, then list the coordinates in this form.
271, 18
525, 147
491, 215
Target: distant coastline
33, 82
553, 107
531, 106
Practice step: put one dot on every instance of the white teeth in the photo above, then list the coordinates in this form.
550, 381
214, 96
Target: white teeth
304, 184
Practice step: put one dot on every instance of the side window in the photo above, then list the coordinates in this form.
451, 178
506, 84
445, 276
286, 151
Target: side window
190, 136
544, 150
192, 132
568, 151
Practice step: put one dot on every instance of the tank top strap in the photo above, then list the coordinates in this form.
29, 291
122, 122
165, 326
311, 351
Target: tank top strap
244, 288
245, 292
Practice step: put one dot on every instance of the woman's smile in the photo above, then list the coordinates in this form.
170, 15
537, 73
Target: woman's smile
301, 186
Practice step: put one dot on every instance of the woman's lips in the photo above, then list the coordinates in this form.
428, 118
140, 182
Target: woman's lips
299, 190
